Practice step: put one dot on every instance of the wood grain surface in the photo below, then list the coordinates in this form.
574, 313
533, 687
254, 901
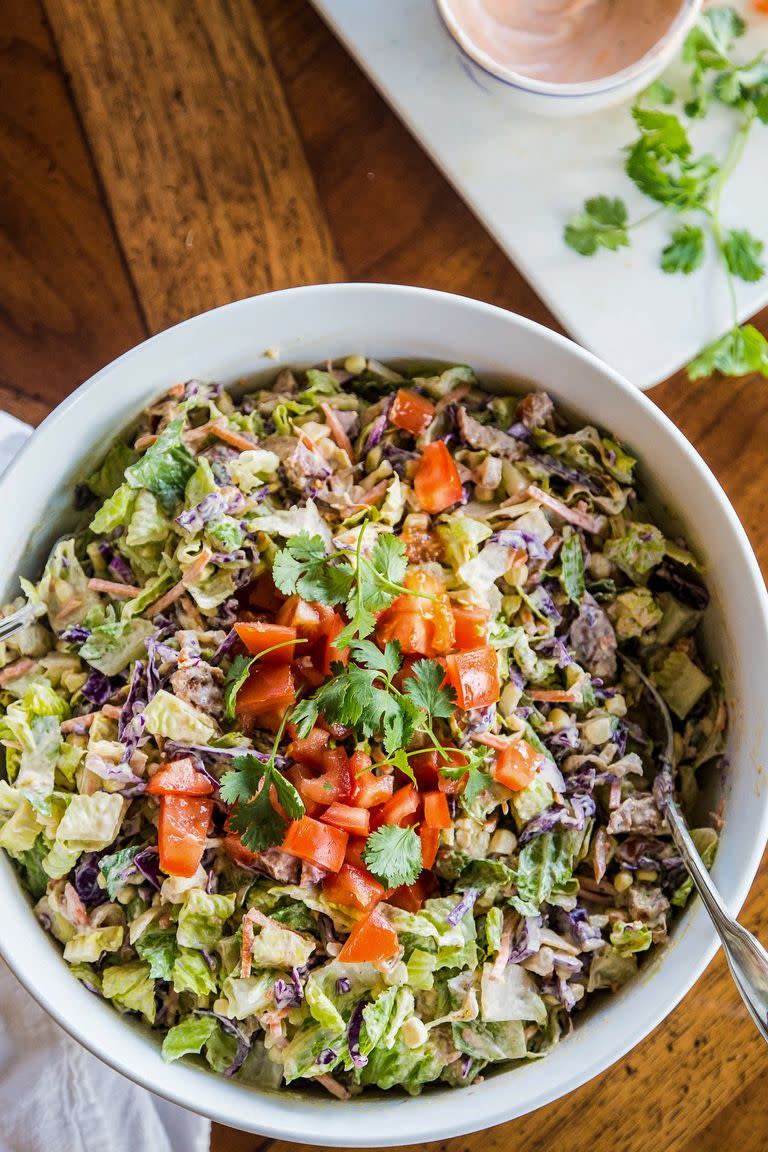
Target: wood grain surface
160, 157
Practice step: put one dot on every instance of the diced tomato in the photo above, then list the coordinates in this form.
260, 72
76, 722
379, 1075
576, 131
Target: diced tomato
411, 412
422, 627
328, 654
359, 762
411, 897
268, 688
354, 852
258, 638
354, 887
179, 778
403, 804
298, 774
516, 765
430, 839
237, 852
263, 594
372, 790
301, 615
437, 814
317, 843
356, 821
470, 625
372, 939
181, 833
475, 677
336, 782
310, 749
425, 768
436, 483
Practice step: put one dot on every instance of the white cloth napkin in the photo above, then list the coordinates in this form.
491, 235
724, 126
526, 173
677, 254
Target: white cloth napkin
54, 1095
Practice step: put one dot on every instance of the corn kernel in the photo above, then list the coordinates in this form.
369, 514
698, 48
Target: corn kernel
355, 364
414, 1032
559, 719
647, 876
623, 881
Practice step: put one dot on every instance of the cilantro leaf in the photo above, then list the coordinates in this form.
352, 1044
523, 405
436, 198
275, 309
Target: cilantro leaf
401, 719
738, 353
685, 251
743, 252
658, 92
403, 764
478, 779
304, 567
572, 568
663, 132
165, 467
602, 223
305, 715
366, 653
425, 688
240, 784
389, 558
393, 855
249, 788
236, 676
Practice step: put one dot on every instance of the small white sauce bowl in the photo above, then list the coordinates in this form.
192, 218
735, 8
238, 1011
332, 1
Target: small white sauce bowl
552, 99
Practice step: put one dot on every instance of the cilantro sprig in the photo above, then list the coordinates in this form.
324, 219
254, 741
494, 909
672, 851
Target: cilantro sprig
393, 855
363, 696
365, 585
248, 788
663, 166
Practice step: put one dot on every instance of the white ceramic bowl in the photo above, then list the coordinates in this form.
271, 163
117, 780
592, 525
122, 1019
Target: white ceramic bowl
306, 325
576, 99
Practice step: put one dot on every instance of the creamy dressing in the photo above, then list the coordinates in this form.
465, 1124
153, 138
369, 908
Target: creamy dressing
564, 41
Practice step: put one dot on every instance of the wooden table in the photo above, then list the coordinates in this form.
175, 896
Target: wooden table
160, 157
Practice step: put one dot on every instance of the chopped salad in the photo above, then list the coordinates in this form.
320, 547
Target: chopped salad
320, 755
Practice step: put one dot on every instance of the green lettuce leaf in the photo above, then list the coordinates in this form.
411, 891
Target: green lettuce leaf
165, 467
188, 1037
131, 987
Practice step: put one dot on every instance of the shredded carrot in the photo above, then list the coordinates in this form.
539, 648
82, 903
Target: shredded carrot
337, 432
502, 959
554, 695
197, 567
452, 397
144, 441
165, 601
333, 1086
114, 588
79, 723
235, 439
111, 711
18, 668
491, 740
374, 494
581, 519
75, 906
66, 610
197, 435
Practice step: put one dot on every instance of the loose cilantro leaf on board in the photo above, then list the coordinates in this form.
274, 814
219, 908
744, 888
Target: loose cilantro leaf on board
393, 855
233, 682
738, 353
572, 568
743, 252
602, 223
685, 251
304, 567
249, 788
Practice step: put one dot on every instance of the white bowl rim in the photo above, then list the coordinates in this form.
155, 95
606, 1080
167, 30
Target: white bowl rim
276, 1114
687, 15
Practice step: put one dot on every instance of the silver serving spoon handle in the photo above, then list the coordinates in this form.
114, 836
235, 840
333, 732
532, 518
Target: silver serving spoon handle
15, 621
747, 959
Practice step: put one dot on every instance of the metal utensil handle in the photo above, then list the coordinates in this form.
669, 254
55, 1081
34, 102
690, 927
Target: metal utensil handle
16, 621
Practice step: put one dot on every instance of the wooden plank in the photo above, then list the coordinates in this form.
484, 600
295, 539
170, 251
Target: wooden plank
66, 304
203, 168
394, 216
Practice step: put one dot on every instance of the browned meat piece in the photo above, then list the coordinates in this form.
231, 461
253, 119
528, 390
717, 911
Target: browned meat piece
638, 813
648, 904
594, 640
200, 685
483, 437
279, 865
534, 409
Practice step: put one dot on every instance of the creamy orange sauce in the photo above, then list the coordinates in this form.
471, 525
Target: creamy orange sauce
564, 41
